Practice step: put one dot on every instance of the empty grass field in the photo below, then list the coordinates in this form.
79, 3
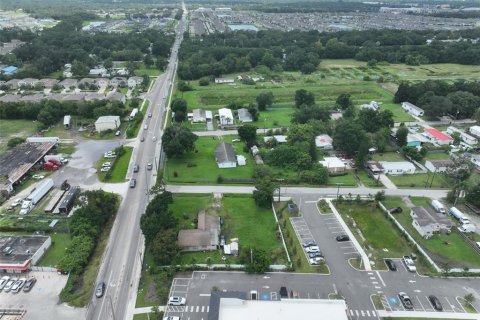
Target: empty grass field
14, 128
187, 206
60, 242
388, 156
420, 180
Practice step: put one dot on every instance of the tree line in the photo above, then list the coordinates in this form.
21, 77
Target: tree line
222, 53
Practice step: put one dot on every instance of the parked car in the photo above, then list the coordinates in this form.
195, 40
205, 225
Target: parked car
316, 260
29, 284
236, 140
4, 281
177, 301
117, 133
136, 168
107, 164
100, 290
312, 249
254, 295
149, 166
18, 285
391, 265
435, 303
309, 243
8, 285
409, 264
38, 177
405, 300
342, 237
283, 292
133, 183
315, 255
105, 169
171, 318
396, 210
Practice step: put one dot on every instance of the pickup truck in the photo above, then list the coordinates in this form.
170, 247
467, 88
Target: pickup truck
409, 264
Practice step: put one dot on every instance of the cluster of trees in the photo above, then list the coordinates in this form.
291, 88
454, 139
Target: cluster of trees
85, 226
459, 99
178, 140
223, 53
473, 195
49, 50
160, 228
49, 112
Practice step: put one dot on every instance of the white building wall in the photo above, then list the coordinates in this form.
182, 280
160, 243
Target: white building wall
41, 251
227, 165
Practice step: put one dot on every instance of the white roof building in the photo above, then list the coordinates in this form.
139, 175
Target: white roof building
475, 130
225, 116
412, 109
324, 141
241, 160
333, 164
244, 115
107, 123
374, 105
397, 167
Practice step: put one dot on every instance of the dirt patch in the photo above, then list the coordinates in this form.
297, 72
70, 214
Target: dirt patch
151, 295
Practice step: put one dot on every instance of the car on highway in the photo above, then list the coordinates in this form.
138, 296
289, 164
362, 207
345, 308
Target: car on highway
342, 237
391, 265
142, 139
133, 183
312, 249
149, 114
8, 285
4, 281
409, 264
149, 166
405, 300
105, 169
309, 243
435, 303
100, 290
145, 127
136, 167
29, 284
177, 301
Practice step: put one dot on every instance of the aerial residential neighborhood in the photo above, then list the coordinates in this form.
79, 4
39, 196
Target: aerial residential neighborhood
224, 160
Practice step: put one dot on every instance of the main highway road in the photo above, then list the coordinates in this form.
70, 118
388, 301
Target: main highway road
121, 263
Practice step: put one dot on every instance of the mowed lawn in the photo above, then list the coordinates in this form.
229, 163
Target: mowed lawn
60, 242
451, 249
187, 206
200, 166
15, 128
420, 180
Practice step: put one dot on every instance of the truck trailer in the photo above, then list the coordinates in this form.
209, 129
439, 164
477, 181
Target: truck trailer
42, 189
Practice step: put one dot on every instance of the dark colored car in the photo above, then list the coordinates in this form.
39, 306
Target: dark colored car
142, 139
315, 255
396, 210
342, 237
435, 303
391, 265
100, 290
309, 243
29, 284
136, 167
406, 301
283, 292
133, 183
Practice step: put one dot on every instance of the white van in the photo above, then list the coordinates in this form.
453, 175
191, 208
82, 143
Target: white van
438, 206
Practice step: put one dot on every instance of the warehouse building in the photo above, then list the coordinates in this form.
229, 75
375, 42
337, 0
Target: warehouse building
107, 123
19, 253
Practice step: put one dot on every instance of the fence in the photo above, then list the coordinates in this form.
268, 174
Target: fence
281, 234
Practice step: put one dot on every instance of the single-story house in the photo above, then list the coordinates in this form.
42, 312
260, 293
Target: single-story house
10, 98
116, 96
200, 115
475, 130
244, 115
397, 167
439, 165
99, 72
118, 81
67, 83
427, 221
12, 84
9, 70
333, 164
412, 109
475, 159
103, 82
27, 82
324, 141
375, 167
225, 116
416, 139
73, 97
278, 138
87, 82
465, 137
373, 105
94, 96
121, 71
241, 160
224, 80
437, 136
225, 155
205, 237
134, 81
48, 83
35, 98
107, 123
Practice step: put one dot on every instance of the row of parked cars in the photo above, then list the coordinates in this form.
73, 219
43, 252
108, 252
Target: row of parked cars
408, 304
314, 254
16, 285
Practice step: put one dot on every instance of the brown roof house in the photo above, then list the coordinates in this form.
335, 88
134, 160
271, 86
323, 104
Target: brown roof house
205, 237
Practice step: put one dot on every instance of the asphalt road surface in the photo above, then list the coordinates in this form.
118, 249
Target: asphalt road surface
122, 259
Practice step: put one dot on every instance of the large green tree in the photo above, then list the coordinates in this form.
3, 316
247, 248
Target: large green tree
264, 100
178, 140
401, 135
247, 133
347, 137
304, 98
263, 193
344, 101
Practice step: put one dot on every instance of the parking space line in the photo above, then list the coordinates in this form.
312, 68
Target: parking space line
198, 308
381, 279
356, 311
423, 309
453, 306
368, 313
351, 312
351, 252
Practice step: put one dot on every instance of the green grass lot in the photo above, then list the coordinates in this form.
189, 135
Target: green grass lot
253, 226
347, 180
119, 169
378, 231
60, 242
399, 115
187, 206
388, 156
436, 156
420, 180
442, 248
149, 71
367, 180
15, 128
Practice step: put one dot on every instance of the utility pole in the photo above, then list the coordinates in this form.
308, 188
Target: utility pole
338, 189
431, 182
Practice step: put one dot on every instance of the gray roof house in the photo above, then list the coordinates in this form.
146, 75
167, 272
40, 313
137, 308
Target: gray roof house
116, 96
67, 83
244, 115
427, 221
225, 155
48, 83
205, 237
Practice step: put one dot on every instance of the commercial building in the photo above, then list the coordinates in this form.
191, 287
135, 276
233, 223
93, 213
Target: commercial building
437, 136
427, 221
225, 155
19, 253
397, 167
412, 109
324, 141
333, 164
107, 123
439, 166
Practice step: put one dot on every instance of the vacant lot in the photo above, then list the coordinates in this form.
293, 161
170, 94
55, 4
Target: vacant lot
444, 249
60, 242
187, 206
420, 180
388, 156
14, 128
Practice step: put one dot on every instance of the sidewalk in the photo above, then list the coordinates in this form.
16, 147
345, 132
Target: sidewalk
387, 182
427, 315
147, 310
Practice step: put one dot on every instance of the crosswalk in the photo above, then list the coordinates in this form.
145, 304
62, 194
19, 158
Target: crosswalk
362, 313
187, 309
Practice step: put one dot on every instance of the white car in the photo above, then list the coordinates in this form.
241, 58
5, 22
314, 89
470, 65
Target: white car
18, 285
409, 264
105, 169
312, 249
107, 164
177, 301
316, 260
16, 202
38, 177
9, 284
171, 318
4, 281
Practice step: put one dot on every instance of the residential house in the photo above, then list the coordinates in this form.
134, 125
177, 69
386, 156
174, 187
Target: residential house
27, 82
91, 96
397, 167
225, 116
427, 221
333, 164
243, 77
102, 82
33, 98
324, 141
118, 82
225, 155
374, 167
98, 72
74, 97
116, 96
475, 159
10, 98
254, 150
439, 166
13, 84
244, 115
199, 115
107, 123
465, 137
278, 138
87, 82
67, 73
68, 83
412, 109
205, 237
373, 105
437, 136
415, 139
134, 81
475, 130
48, 83
121, 71
224, 80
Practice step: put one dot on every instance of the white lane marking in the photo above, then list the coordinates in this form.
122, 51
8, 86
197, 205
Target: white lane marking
374, 313
418, 291
198, 308
368, 313
204, 294
358, 314
208, 308
374, 282
381, 279
363, 314
355, 252
373, 278
203, 308
370, 273
377, 287
351, 312
420, 303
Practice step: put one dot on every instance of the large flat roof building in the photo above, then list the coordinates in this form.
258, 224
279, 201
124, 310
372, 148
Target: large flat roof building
19, 253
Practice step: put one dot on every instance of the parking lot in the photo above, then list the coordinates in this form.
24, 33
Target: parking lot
391, 302
42, 299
